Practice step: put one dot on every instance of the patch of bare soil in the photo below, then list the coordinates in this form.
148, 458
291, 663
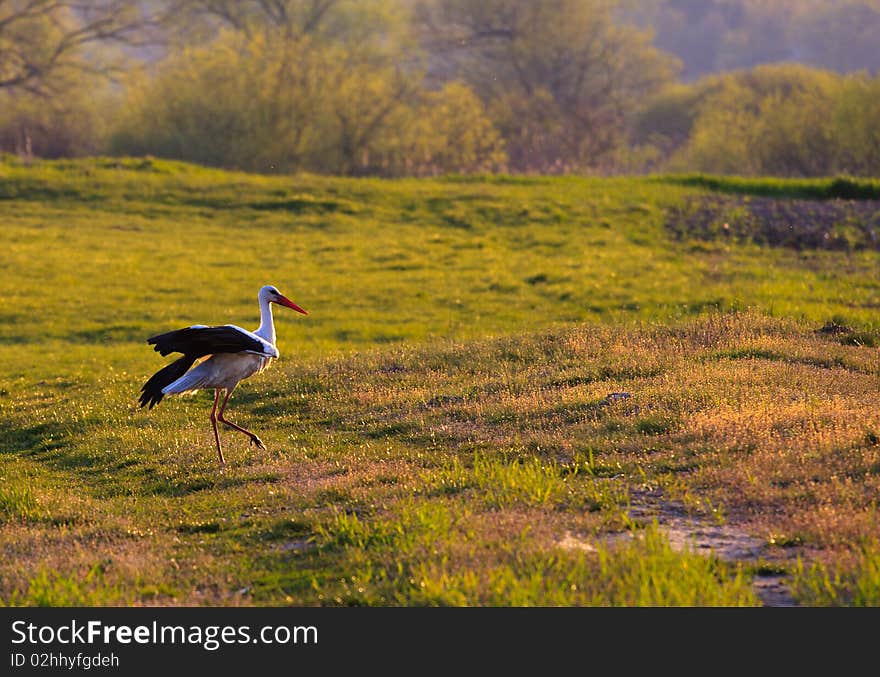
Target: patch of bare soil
727, 542
686, 531
841, 225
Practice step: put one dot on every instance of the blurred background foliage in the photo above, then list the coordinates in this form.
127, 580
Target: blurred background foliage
428, 87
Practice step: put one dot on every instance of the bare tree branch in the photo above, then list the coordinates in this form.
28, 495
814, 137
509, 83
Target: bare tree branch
41, 38
295, 18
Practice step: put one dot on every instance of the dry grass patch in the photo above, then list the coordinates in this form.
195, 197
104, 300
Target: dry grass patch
451, 473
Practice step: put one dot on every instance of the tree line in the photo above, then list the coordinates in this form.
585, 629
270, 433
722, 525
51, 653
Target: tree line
411, 88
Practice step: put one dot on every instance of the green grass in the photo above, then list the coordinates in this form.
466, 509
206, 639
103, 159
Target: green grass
840, 187
439, 428
856, 585
406, 566
17, 503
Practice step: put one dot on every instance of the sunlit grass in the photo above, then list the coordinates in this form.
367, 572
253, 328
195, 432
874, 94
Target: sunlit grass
857, 584
53, 589
451, 460
487, 366
414, 559
17, 503
498, 483
841, 187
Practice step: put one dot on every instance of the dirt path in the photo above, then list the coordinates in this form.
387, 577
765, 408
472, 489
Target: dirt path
727, 542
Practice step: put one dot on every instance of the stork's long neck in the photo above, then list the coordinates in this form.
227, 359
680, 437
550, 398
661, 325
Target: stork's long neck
267, 324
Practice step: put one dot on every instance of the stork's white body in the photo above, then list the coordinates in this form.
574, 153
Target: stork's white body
218, 371
225, 370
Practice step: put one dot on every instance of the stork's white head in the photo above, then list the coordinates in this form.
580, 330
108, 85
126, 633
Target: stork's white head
272, 295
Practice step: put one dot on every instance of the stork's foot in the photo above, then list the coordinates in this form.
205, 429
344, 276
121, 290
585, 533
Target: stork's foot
257, 442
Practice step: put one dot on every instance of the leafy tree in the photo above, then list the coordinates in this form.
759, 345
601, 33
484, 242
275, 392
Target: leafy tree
559, 77
74, 124
721, 139
856, 121
793, 136
778, 115
43, 41
772, 119
666, 120
448, 131
266, 102
57, 59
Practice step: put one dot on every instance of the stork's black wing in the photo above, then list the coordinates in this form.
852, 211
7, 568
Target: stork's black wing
199, 341
195, 342
151, 391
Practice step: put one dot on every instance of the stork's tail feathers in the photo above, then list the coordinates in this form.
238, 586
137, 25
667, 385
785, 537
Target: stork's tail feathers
151, 392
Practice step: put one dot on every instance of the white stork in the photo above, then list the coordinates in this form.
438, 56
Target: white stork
235, 354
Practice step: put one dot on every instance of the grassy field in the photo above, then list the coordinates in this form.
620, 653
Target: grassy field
504, 391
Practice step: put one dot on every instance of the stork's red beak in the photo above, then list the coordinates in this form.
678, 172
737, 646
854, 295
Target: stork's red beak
284, 301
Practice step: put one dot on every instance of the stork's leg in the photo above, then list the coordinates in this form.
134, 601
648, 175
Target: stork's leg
256, 440
214, 423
